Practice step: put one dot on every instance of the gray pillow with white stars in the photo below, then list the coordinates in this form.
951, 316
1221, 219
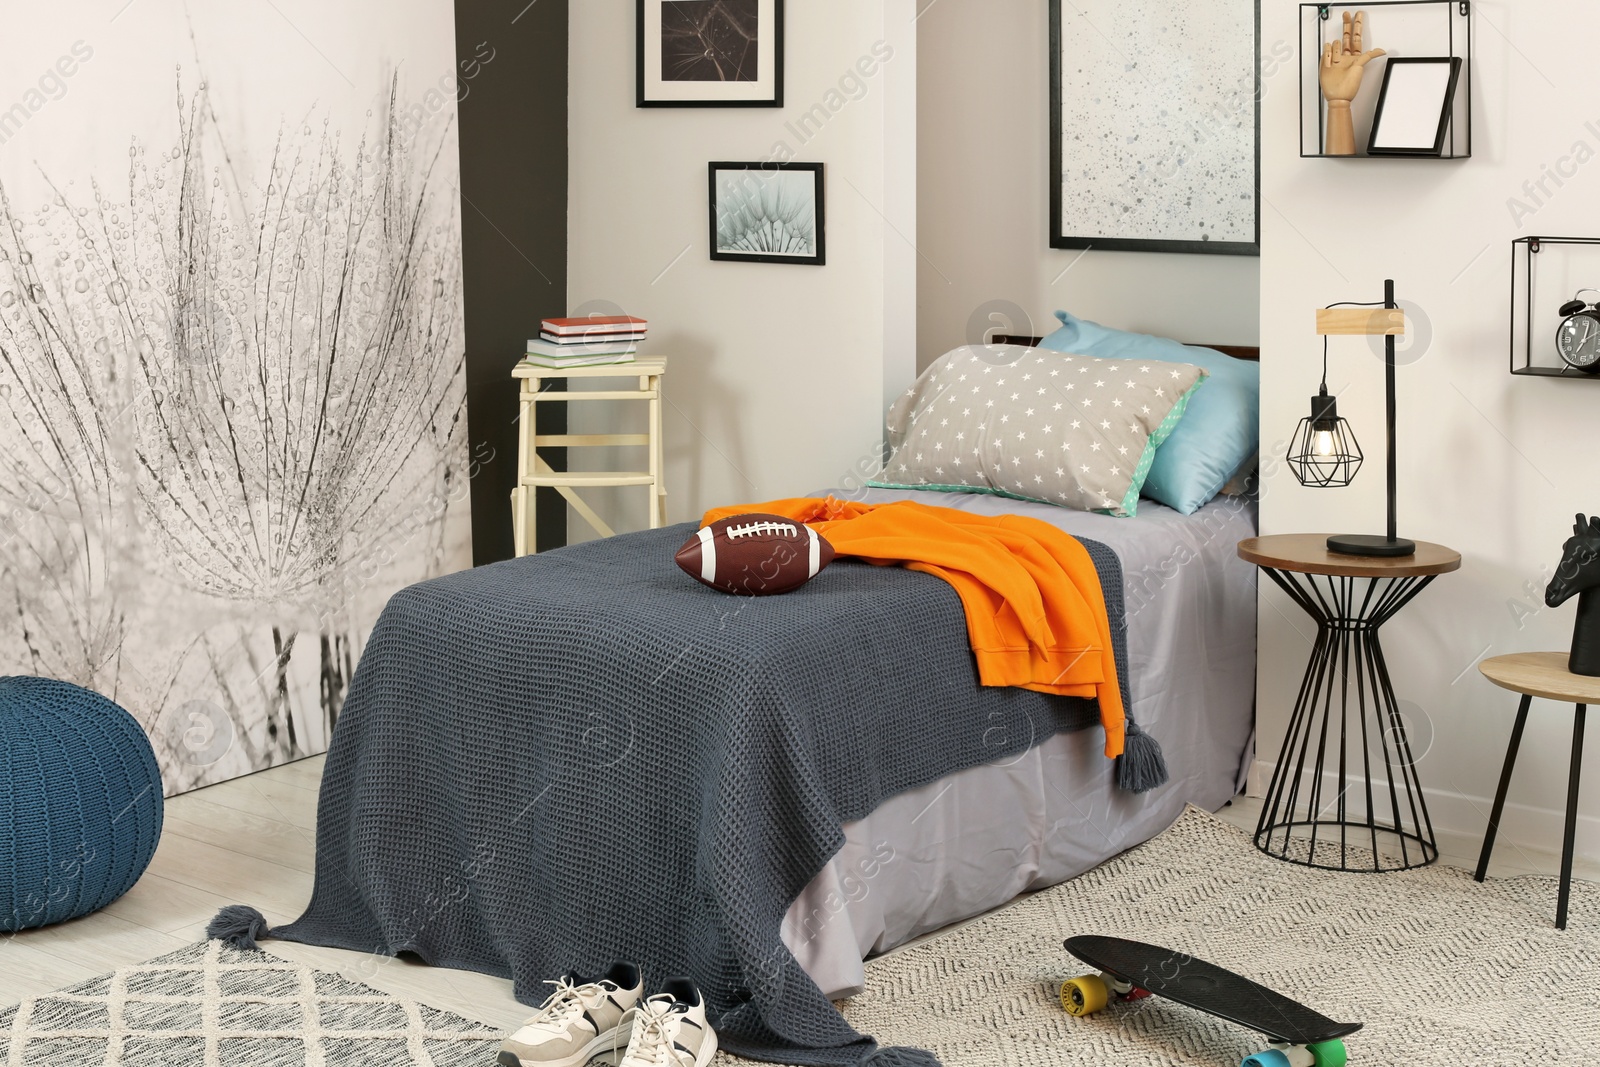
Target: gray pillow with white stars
1036, 425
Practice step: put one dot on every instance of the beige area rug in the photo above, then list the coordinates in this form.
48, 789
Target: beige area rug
1443, 971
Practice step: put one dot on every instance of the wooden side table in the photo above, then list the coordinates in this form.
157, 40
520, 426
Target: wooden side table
533, 472
1350, 598
1541, 674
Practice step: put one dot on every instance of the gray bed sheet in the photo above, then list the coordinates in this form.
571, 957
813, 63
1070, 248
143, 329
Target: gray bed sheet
968, 843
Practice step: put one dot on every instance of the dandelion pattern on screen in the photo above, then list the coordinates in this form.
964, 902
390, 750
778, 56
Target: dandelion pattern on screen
231, 422
710, 40
767, 212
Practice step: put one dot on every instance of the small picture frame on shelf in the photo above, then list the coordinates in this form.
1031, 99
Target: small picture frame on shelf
1414, 106
710, 53
768, 213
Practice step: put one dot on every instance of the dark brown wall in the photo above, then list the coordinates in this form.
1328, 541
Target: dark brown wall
512, 71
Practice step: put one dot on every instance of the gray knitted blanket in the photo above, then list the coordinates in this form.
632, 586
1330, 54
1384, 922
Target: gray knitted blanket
550, 763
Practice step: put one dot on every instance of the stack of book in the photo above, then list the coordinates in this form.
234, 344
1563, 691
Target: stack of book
588, 341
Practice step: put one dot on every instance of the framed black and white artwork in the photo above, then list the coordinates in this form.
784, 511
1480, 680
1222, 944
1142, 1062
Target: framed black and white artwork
710, 53
1155, 126
767, 213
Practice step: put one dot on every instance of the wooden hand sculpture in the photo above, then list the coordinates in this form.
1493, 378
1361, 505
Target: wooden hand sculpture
1343, 66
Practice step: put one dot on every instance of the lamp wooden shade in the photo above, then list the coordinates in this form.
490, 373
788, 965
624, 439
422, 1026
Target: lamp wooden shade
1361, 322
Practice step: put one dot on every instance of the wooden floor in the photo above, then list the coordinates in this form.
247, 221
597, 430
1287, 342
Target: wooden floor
252, 841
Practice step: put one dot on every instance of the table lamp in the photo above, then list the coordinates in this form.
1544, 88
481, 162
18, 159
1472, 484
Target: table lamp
1324, 453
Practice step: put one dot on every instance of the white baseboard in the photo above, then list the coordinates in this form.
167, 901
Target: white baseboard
1465, 818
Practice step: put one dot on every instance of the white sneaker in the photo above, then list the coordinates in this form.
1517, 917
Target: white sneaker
670, 1029
580, 1020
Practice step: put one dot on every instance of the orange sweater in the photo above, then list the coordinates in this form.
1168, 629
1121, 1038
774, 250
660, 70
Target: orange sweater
1036, 616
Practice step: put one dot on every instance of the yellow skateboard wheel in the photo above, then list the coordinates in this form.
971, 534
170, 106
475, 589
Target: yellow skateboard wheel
1084, 995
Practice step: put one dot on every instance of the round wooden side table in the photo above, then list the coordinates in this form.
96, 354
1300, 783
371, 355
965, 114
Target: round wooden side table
1541, 674
1325, 805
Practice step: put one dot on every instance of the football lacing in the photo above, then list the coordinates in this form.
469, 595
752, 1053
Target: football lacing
753, 529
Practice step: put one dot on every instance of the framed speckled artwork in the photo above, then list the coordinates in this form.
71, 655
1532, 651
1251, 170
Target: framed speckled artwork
1155, 126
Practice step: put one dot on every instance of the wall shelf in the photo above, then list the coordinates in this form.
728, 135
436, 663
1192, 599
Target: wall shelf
1404, 29
1546, 272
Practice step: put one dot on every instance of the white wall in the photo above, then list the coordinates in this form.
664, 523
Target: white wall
778, 375
1491, 465
983, 201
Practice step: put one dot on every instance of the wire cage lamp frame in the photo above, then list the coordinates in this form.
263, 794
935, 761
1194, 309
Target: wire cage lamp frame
1323, 451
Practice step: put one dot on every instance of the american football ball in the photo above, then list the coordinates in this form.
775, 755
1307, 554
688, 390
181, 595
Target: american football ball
755, 555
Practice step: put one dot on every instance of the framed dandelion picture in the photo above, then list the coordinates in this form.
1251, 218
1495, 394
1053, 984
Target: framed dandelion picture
767, 212
710, 53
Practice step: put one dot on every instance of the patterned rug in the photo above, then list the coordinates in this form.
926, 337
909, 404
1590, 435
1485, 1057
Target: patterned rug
1442, 970
210, 1005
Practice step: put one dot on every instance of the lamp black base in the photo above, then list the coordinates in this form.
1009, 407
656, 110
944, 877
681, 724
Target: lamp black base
1371, 545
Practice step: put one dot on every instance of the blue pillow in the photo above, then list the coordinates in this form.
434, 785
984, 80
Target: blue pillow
1218, 433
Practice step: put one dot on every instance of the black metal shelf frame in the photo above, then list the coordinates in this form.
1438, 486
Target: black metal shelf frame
1315, 19
1524, 254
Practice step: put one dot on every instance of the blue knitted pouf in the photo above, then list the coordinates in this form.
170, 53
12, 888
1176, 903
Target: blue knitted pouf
80, 802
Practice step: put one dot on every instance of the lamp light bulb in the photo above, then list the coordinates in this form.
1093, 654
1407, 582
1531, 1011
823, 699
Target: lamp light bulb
1322, 444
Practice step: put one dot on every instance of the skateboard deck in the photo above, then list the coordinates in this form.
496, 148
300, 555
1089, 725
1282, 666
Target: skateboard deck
1206, 987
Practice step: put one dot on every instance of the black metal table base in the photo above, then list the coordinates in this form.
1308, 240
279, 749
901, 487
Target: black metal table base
1344, 794
1568, 837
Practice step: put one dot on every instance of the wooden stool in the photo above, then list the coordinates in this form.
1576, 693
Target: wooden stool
1541, 674
533, 472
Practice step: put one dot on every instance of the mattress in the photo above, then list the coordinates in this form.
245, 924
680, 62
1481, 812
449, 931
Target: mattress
967, 843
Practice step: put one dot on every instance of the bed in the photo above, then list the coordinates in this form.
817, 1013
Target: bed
551, 762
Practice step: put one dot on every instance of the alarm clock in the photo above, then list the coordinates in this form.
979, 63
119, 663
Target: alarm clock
1578, 336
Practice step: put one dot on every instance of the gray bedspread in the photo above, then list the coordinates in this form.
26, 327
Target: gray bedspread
550, 763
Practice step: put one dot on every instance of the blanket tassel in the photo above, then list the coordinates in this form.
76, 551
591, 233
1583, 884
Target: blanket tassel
239, 925
1141, 767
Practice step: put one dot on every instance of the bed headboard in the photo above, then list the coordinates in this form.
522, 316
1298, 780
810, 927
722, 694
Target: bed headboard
1236, 351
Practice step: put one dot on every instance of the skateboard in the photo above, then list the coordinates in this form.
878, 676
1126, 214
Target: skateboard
1130, 970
